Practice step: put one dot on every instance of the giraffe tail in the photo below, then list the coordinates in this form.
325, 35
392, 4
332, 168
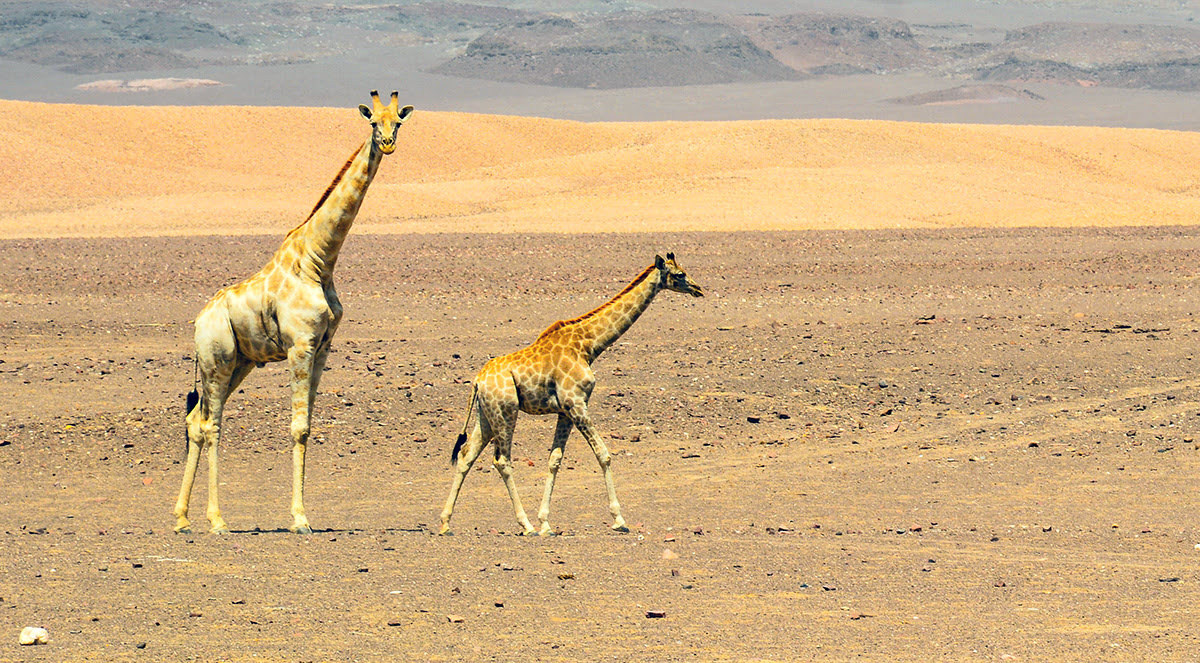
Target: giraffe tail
462, 437
193, 398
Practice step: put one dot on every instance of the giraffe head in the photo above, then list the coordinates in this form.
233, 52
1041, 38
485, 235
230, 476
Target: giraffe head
385, 119
672, 277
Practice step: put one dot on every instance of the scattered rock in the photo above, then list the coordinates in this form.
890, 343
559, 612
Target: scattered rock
34, 635
656, 614
455, 619
669, 554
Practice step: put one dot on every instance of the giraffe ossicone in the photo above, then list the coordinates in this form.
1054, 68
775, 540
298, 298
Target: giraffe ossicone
288, 310
554, 375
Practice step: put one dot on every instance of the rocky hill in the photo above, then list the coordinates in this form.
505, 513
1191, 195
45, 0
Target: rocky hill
594, 45
664, 48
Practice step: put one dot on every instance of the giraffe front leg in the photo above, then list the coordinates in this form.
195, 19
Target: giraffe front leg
466, 458
584, 423
561, 432
305, 377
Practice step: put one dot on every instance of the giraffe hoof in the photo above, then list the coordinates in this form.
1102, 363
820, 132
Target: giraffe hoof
300, 529
184, 529
622, 528
219, 530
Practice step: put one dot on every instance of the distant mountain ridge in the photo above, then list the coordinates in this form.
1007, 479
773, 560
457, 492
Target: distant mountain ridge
618, 48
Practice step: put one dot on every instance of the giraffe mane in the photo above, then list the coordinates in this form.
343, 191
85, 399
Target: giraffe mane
328, 190
563, 323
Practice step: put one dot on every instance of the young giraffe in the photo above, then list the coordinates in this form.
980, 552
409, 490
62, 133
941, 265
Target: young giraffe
288, 310
554, 376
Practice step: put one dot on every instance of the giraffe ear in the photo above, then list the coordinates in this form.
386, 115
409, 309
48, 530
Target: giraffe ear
659, 263
365, 110
671, 257
405, 112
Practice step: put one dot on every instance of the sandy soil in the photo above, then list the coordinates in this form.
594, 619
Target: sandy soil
896, 445
955, 440
92, 171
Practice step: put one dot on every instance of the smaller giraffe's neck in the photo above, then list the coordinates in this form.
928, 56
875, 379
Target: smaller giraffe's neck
315, 243
603, 326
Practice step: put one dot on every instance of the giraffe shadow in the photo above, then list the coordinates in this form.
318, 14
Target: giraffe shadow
254, 531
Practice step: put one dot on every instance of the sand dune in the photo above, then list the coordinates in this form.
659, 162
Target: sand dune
90, 171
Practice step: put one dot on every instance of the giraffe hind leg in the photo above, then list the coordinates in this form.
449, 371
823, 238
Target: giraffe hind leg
506, 417
465, 459
203, 430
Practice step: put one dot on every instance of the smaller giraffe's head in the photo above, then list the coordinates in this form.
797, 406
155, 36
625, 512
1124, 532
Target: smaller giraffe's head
385, 119
674, 278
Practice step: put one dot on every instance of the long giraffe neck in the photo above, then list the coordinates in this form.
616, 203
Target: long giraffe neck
602, 327
316, 242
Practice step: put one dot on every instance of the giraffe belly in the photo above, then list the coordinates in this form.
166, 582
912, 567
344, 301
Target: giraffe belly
539, 402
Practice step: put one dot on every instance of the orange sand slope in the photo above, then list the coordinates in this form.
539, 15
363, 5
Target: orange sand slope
123, 171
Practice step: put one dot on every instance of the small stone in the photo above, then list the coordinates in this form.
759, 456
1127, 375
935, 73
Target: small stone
656, 614
566, 576
34, 635
498, 604
667, 553
455, 619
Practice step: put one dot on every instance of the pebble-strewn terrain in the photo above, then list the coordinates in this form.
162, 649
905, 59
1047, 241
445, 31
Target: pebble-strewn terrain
969, 444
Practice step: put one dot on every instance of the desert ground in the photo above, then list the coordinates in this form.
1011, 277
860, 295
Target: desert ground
936, 405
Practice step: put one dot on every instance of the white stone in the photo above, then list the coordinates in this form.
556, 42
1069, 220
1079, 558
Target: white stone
34, 635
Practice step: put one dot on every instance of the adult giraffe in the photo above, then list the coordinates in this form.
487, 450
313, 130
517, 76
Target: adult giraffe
288, 310
554, 375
